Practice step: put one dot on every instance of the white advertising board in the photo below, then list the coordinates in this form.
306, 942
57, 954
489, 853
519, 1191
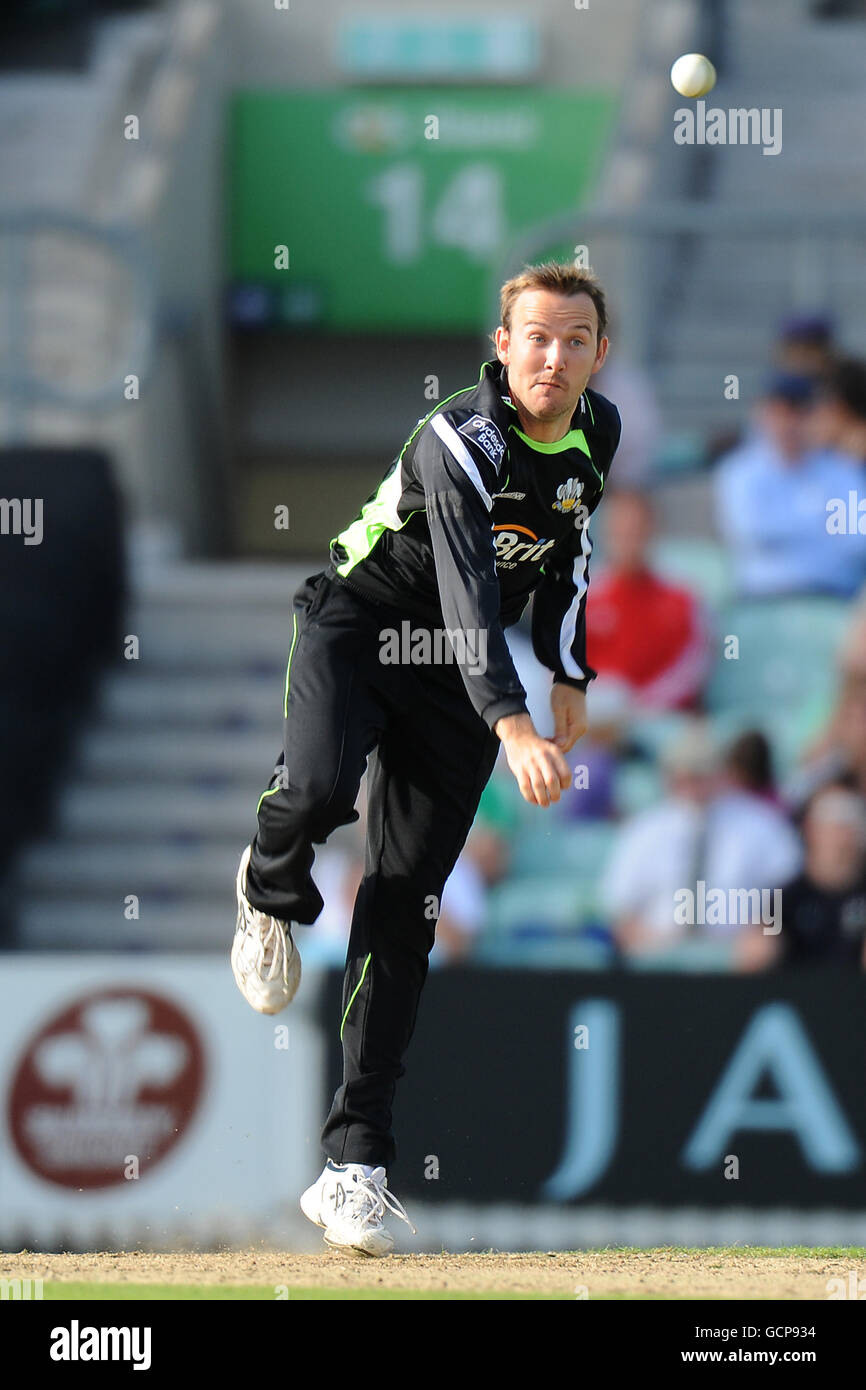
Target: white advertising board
145, 1104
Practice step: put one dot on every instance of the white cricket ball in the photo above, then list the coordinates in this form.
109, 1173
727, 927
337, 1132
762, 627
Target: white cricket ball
693, 75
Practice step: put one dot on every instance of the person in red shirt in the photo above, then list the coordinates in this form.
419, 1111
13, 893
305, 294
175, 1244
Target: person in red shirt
641, 629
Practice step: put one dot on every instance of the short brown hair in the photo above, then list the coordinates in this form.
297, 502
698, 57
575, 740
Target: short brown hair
562, 277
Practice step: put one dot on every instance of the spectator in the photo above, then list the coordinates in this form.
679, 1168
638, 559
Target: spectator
641, 629
838, 419
749, 765
772, 503
824, 907
703, 837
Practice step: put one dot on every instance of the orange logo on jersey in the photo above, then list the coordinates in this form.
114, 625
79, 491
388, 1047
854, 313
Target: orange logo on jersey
510, 548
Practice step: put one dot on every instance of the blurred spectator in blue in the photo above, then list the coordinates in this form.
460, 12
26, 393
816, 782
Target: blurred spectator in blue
824, 907
704, 836
773, 499
838, 419
641, 628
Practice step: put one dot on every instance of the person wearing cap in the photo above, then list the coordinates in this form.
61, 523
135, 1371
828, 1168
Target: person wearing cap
774, 495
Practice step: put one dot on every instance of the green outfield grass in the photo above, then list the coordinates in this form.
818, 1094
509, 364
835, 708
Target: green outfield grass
825, 1252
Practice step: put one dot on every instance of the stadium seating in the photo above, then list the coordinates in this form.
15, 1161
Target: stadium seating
784, 677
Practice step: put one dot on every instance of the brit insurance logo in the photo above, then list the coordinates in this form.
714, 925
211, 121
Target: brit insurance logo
485, 434
117, 1072
568, 495
516, 543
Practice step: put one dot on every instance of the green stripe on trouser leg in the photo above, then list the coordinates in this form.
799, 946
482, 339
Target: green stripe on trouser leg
354, 993
269, 791
289, 665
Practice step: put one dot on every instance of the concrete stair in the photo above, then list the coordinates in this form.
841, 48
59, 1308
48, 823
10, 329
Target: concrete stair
161, 797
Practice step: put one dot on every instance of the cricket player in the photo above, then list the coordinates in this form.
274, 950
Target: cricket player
398, 658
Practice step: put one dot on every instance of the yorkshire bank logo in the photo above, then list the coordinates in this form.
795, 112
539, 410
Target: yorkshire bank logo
516, 543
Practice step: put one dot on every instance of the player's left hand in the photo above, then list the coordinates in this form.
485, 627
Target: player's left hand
569, 715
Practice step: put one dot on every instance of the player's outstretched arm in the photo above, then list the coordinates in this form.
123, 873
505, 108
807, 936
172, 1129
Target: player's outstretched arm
540, 769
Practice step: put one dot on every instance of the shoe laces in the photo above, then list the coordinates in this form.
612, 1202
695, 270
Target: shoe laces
264, 936
373, 1198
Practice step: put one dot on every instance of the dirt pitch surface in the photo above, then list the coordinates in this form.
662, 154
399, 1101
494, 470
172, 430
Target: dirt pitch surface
660, 1274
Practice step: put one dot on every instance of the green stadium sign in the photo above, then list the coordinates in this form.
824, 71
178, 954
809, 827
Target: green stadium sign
383, 210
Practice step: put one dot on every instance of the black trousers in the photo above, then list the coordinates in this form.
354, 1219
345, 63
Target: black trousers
430, 755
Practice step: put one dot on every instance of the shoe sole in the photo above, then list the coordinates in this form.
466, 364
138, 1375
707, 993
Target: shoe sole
356, 1249
309, 1206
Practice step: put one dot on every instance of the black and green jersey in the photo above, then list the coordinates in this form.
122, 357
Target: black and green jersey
473, 517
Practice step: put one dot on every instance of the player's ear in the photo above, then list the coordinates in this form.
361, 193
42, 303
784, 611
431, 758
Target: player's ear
600, 356
501, 340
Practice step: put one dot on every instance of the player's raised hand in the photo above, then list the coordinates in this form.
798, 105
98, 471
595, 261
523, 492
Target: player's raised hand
569, 715
541, 771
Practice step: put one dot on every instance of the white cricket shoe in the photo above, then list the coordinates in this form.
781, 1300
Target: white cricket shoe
265, 960
351, 1208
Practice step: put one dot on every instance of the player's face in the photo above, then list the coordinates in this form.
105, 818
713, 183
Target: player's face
551, 351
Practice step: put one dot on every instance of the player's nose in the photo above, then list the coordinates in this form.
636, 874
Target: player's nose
555, 359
